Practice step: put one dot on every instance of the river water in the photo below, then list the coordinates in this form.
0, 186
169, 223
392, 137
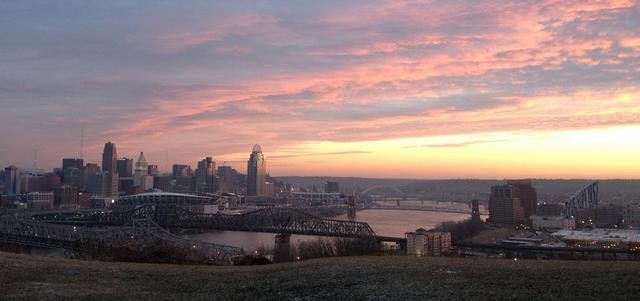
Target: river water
394, 223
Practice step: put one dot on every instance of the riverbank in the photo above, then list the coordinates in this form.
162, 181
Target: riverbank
376, 278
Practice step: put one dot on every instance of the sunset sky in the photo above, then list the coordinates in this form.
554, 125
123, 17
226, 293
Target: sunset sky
409, 89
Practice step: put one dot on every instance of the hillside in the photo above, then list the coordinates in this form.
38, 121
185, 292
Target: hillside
355, 278
549, 190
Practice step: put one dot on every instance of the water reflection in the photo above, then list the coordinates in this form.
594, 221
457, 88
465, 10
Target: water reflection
384, 222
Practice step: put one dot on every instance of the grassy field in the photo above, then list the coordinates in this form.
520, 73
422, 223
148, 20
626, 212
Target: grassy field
353, 278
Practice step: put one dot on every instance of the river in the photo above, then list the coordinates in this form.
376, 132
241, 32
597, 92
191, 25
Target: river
393, 223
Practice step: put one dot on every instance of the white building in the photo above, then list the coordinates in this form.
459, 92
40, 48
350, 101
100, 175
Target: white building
428, 243
141, 175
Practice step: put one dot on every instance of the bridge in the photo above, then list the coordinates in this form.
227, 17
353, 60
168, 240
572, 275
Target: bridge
267, 220
585, 198
134, 235
422, 208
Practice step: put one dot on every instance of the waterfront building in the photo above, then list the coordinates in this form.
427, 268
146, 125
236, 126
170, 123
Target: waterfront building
527, 194
206, 176
512, 203
504, 206
551, 217
305, 199
428, 243
603, 238
256, 173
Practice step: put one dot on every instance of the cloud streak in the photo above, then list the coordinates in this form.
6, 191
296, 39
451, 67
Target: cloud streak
218, 77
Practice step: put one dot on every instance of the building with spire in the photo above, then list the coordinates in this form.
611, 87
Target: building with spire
141, 177
256, 173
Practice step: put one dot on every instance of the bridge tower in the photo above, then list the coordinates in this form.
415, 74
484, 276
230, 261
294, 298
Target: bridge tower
282, 249
475, 211
351, 207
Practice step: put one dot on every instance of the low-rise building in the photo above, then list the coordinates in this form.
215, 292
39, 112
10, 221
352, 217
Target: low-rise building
317, 198
39, 200
428, 243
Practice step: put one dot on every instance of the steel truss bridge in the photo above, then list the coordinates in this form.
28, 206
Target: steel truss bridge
585, 198
146, 225
268, 220
135, 234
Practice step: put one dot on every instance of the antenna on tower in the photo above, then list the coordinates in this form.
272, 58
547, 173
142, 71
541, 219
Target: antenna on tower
81, 141
166, 161
35, 158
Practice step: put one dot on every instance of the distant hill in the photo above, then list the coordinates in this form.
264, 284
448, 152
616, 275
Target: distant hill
549, 190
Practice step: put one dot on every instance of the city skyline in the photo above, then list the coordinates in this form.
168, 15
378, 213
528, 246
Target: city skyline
392, 89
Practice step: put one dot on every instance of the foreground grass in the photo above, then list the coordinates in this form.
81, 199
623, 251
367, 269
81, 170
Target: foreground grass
354, 278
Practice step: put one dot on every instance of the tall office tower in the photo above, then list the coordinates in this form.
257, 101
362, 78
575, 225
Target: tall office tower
72, 163
11, 180
228, 180
124, 166
256, 172
109, 157
180, 170
505, 207
141, 175
527, 195
206, 176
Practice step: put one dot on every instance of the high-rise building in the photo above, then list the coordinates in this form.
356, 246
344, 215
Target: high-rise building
109, 168
72, 163
331, 187
124, 166
141, 177
256, 172
504, 206
527, 195
206, 176
180, 170
228, 180
11, 180
109, 157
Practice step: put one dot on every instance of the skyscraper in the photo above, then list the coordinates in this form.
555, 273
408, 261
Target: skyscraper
206, 176
109, 157
141, 176
124, 166
256, 172
11, 180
